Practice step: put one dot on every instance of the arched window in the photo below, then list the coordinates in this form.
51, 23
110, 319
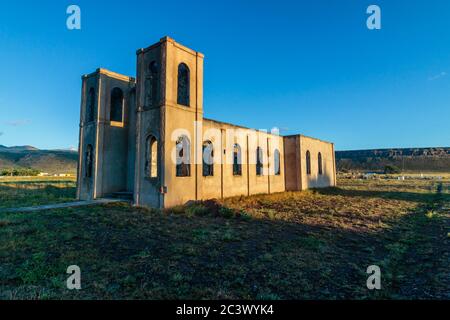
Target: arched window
319, 160
116, 105
276, 162
152, 81
90, 111
89, 160
208, 159
183, 150
259, 161
237, 160
151, 157
183, 85
308, 162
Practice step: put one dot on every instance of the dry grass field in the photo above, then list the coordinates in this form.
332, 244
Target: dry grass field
30, 191
304, 245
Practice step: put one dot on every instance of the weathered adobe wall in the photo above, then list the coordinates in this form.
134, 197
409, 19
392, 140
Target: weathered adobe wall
149, 118
109, 140
113, 149
132, 136
88, 134
315, 180
182, 189
224, 183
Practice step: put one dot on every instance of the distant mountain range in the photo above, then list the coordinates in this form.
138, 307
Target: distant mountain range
17, 149
409, 159
406, 159
50, 161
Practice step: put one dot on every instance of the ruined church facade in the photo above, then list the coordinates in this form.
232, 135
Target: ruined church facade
146, 138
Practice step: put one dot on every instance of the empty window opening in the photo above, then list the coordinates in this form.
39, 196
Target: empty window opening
152, 81
276, 162
208, 159
319, 160
308, 162
183, 150
90, 112
116, 113
183, 85
89, 160
259, 161
151, 160
237, 160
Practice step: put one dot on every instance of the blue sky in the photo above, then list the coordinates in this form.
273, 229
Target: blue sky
308, 67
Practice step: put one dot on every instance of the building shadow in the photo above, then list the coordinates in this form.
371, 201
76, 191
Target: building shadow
391, 195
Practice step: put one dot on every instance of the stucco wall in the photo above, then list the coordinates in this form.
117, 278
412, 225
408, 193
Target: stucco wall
182, 120
109, 141
149, 122
167, 121
224, 183
87, 136
113, 144
131, 152
315, 180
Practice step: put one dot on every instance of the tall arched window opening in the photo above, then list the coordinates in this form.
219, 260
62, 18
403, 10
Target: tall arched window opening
151, 157
276, 162
319, 160
183, 85
183, 150
308, 162
90, 111
237, 160
89, 161
152, 81
208, 159
259, 161
116, 112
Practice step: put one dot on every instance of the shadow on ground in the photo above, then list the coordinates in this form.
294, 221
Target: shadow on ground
226, 253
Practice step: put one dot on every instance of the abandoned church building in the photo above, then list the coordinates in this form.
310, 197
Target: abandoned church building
145, 138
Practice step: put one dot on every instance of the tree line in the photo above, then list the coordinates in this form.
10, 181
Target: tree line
15, 172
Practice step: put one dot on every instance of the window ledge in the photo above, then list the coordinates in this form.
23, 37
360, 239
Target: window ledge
117, 124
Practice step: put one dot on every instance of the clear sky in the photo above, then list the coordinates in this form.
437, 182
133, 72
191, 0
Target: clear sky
308, 67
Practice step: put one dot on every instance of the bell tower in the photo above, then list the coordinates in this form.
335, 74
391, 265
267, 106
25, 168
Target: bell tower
169, 95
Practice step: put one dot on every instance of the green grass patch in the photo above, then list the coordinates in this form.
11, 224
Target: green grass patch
32, 192
294, 245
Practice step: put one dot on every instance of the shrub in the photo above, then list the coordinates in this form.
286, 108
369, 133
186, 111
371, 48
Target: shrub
226, 212
245, 216
389, 169
4, 223
176, 210
197, 210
